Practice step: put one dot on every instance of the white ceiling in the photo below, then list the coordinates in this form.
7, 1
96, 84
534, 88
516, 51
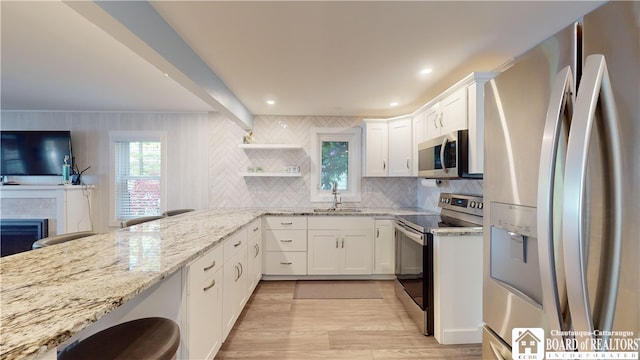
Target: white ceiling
312, 58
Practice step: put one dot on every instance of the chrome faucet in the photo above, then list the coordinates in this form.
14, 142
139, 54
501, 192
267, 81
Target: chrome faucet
335, 193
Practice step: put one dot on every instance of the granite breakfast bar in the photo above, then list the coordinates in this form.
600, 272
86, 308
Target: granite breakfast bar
49, 295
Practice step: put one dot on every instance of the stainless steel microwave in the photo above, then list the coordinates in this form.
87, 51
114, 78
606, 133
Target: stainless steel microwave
445, 157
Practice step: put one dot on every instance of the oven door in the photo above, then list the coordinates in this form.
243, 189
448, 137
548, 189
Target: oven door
414, 275
410, 262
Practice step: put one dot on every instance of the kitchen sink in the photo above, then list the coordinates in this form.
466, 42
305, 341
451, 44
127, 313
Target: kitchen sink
337, 210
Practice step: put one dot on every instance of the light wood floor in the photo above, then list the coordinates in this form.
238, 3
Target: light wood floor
273, 325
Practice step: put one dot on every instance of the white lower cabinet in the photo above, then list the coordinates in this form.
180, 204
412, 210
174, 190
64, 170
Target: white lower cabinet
203, 327
254, 255
235, 288
285, 243
340, 245
384, 247
457, 278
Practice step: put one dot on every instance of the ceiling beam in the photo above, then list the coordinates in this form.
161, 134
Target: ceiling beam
137, 25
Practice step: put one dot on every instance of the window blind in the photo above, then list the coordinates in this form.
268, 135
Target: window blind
138, 169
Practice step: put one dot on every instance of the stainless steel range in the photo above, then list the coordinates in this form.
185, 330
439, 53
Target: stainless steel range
414, 252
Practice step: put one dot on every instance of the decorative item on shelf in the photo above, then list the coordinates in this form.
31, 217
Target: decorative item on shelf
250, 169
76, 177
291, 169
259, 169
66, 170
248, 138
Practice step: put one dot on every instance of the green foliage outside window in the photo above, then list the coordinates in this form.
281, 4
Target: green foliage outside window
335, 165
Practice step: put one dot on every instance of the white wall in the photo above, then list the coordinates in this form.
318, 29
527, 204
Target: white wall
187, 144
205, 161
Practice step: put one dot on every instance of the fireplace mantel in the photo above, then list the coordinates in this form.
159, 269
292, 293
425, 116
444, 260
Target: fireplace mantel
67, 207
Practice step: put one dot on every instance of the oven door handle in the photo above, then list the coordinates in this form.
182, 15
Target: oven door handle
415, 236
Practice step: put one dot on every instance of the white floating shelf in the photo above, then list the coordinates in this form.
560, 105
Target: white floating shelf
270, 146
270, 174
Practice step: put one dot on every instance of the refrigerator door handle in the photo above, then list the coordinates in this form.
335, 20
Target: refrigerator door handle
551, 165
595, 91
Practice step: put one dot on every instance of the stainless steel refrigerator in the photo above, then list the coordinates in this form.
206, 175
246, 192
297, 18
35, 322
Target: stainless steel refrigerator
561, 192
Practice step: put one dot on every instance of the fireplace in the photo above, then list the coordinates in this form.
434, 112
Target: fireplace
17, 235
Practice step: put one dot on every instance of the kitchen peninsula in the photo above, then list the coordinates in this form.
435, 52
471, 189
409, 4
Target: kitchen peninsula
51, 294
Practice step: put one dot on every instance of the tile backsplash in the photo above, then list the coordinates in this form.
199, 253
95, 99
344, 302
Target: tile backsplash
428, 197
227, 160
228, 189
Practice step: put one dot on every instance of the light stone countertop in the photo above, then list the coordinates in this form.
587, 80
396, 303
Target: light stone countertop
459, 231
49, 295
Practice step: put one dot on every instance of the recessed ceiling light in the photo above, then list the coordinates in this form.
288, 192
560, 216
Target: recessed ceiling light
395, 103
426, 71
271, 102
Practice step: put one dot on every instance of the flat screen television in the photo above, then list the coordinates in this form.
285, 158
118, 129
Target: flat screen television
34, 152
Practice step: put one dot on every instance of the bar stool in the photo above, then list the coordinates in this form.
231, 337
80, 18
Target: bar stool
176, 212
153, 338
58, 239
139, 220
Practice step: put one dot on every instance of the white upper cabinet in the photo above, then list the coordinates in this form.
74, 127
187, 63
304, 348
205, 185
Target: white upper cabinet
391, 145
453, 112
376, 148
400, 147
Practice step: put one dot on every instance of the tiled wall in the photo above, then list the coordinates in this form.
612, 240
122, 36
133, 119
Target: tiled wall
428, 197
229, 189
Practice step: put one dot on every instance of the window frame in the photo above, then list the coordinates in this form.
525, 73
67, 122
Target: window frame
135, 136
354, 137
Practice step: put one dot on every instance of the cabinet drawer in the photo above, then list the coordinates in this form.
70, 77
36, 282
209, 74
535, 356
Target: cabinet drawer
285, 222
205, 266
286, 263
233, 244
286, 240
340, 222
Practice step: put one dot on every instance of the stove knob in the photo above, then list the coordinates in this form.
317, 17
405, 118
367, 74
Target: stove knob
473, 205
480, 205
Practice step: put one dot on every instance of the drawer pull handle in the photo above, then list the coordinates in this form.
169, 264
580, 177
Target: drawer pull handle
286, 223
207, 268
286, 240
213, 283
256, 229
237, 244
285, 263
